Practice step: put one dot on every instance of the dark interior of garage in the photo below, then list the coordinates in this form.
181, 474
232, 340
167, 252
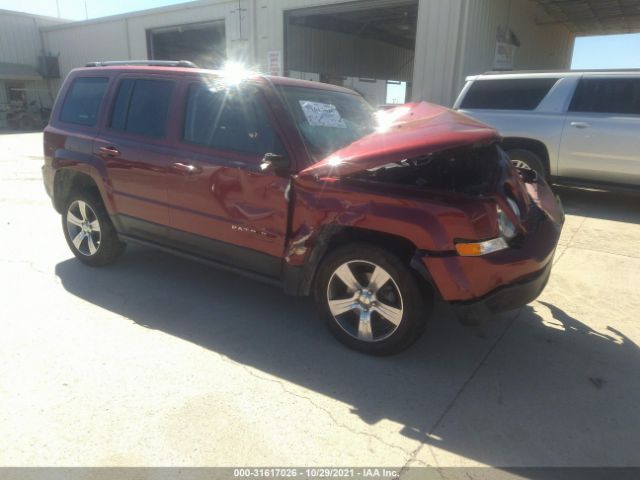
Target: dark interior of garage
368, 49
202, 43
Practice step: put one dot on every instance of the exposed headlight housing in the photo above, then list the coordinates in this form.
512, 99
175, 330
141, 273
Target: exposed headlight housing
514, 206
505, 225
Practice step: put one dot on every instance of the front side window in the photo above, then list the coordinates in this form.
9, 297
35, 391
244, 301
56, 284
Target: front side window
141, 106
229, 119
607, 95
82, 103
507, 94
328, 120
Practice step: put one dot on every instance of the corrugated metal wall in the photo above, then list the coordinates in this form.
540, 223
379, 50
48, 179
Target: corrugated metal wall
20, 42
438, 45
542, 46
124, 37
455, 37
20, 37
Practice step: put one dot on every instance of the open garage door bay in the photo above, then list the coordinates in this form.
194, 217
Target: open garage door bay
366, 46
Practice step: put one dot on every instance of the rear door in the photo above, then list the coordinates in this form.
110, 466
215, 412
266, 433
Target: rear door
601, 136
222, 205
133, 144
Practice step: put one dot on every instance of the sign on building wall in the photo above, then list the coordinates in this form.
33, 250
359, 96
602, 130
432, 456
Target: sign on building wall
274, 62
507, 44
505, 56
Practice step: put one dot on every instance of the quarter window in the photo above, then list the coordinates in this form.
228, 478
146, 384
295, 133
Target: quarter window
82, 103
607, 95
229, 119
507, 94
141, 106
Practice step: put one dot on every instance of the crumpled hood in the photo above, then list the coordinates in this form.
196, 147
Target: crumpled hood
409, 131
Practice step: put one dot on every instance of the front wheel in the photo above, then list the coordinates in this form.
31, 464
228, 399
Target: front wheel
370, 300
88, 230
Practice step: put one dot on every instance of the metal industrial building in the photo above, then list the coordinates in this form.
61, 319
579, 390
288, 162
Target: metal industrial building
389, 50
24, 90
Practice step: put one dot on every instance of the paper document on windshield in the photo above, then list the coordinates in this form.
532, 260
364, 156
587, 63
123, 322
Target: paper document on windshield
322, 114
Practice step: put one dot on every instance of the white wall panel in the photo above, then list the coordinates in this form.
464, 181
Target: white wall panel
88, 42
226, 11
455, 37
124, 37
543, 47
438, 46
20, 37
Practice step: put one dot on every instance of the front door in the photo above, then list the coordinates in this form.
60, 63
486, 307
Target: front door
222, 205
601, 136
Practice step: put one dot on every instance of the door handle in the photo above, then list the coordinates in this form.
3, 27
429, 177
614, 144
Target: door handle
580, 124
109, 151
186, 168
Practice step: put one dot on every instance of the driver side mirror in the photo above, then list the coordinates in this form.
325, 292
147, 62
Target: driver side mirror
278, 164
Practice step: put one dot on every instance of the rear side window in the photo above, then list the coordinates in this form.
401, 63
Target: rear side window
82, 103
507, 94
607, 95
230, 119
141, 106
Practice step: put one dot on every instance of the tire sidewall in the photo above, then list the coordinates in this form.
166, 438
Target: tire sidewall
414, 304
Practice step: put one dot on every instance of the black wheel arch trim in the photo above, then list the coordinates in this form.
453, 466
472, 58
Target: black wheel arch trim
298, 280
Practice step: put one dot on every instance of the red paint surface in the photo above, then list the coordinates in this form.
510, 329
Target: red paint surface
228, 198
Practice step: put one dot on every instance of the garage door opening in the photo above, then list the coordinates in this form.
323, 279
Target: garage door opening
366, 46
201, 43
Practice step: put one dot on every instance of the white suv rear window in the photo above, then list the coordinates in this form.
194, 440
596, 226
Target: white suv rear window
507, 94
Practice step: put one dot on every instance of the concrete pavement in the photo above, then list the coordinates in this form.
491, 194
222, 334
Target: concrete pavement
159, 361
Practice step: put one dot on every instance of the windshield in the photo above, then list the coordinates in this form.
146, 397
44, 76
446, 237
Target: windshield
328, 120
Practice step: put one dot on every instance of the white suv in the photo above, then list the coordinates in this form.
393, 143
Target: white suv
582, 126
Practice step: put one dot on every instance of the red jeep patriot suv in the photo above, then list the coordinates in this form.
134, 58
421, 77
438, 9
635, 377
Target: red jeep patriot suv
302, 184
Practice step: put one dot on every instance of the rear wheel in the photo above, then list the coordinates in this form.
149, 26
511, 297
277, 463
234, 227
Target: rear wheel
88, 230
370, 300
527, 160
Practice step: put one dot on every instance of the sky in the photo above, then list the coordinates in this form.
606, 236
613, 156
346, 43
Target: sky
609, 51
74, 9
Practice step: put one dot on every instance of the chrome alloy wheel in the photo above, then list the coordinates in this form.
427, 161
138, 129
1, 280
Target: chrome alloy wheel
365, 301
520, 164
83, 228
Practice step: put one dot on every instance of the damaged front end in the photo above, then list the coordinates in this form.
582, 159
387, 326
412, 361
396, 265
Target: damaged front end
440, 181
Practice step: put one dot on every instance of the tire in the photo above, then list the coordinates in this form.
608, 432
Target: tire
523, 158
89, 231
362, 325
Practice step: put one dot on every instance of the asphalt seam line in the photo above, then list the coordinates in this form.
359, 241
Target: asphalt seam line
459, 393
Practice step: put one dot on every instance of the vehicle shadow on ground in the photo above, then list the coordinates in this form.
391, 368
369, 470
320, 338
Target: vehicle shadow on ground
616, 206
542, 396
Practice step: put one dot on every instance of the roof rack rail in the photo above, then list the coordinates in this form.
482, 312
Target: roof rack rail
145, 63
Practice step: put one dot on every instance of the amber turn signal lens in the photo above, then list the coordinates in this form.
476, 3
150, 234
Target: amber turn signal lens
481, 248
469, 249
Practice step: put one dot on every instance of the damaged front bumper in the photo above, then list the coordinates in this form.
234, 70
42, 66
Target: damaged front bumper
507, 279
